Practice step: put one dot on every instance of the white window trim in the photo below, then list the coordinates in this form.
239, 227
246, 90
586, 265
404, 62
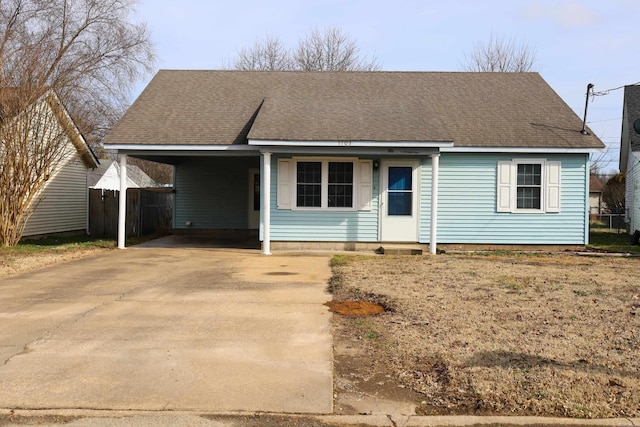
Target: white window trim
543, 185
507, 186
324, 189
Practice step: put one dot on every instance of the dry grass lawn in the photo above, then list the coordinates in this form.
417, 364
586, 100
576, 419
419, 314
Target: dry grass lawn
509, 334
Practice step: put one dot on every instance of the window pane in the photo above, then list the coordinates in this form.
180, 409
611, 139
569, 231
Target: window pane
340, 172
400, 178
256, 192
309, 172
309, 184
528, 198
340, 189
529, 174
399, 203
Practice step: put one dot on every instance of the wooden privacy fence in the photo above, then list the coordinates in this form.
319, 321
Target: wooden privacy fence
149, 211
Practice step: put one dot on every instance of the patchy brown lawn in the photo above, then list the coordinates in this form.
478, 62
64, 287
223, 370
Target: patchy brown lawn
14, 262
507, 334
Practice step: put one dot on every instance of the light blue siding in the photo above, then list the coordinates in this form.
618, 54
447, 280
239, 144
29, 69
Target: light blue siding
467, 203
212, 192
323, 225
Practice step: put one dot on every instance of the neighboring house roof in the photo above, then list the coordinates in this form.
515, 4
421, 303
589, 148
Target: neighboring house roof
630, 140
468, 109
107, 176
595, 185
10, 104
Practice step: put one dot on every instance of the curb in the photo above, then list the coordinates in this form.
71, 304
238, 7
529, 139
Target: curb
396, 420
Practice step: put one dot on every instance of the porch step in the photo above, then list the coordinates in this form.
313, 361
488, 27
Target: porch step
400, 250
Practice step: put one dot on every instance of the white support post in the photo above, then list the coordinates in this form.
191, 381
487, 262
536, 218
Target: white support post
122, 208
266, 203
433, 239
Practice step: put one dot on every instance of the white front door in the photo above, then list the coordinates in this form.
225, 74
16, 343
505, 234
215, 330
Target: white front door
254, 199
399, 201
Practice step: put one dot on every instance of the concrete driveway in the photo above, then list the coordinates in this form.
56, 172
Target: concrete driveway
169, 329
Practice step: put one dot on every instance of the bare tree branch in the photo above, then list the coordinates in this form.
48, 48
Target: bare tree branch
500, 55
87, 52
34, 145
328, 50
269, 54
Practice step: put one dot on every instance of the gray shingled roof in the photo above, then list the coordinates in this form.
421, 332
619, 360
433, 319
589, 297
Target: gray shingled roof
470, 109
632, 105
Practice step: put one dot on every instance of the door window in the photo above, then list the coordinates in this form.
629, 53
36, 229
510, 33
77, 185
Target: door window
400, 192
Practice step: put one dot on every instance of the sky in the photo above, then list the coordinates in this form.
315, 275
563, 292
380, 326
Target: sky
576, 42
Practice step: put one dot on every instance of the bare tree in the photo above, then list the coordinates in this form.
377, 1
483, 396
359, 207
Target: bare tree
86, 53
33, 132
328, 50
161, 173
331, 50
89, 51
269, 54
501, 55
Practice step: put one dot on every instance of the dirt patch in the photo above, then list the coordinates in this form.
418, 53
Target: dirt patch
493, 334
354, 308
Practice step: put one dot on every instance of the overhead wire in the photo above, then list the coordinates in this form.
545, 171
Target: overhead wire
606, 92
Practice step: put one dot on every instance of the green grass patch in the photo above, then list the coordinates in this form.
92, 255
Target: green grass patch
56, 243
608, 240
339, 260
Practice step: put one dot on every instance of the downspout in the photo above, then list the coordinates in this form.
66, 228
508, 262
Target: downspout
433, 228
122, 205
266, 203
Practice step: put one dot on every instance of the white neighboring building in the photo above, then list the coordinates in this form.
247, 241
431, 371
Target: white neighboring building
107, 176
62, 204
630, 155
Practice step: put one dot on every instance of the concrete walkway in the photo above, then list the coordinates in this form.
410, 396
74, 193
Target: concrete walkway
169, 329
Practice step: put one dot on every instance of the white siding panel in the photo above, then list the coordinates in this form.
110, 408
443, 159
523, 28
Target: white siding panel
633, 180
62, 204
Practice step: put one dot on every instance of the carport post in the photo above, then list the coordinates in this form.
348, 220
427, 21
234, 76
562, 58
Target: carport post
122, 206
435, 166
266, 203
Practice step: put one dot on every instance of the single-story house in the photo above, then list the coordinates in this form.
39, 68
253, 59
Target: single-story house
596, 206
107, 176
630, 155
61, 206
356, 159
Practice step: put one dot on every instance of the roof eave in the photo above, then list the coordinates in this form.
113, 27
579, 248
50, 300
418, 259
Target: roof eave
541, 150
346, 143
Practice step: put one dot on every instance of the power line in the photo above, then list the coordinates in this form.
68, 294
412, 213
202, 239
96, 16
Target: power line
605, 120
606, 92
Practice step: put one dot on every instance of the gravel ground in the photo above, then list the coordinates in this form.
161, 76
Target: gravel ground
499, 334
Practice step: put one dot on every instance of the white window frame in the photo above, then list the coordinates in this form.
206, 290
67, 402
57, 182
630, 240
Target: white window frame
324, 183
507, 186
287, 184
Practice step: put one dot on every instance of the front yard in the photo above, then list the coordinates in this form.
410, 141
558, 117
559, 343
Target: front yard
507, 334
